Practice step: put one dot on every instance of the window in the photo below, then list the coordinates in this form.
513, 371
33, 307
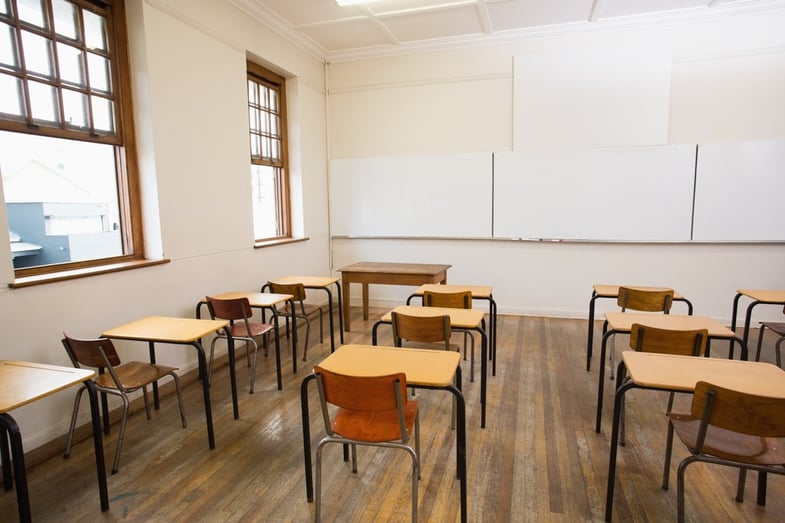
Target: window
66, 156
269, 176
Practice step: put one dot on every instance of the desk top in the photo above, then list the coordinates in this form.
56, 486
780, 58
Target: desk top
612, 291
622, 322
681, 373
311, 282
770, 296
478, 291
430, 368
395, 268
256, 299
459, 318
165, 329
23, 382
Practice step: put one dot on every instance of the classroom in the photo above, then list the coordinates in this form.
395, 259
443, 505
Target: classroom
416, 156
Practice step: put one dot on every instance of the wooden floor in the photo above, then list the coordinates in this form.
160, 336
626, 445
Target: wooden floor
539, 458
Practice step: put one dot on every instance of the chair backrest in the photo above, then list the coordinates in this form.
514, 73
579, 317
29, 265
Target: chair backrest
738, 411
297, 290
366, 394
645, 300
424, 329
666, 341
229, 309
454, 300
98, 352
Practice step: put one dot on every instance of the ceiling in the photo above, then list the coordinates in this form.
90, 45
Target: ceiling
378, 27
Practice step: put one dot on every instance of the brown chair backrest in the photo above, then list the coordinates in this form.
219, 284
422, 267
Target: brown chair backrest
645, 300
666, 341
738, 411
361, 393
454, 300
229, 309
295, 289
87, 352
425, 329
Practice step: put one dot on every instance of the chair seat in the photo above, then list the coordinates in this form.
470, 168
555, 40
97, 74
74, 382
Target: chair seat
727, 444
134, 374
373, 426
239, 330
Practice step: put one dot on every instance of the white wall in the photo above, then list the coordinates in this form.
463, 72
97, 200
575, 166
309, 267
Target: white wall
724, 80
192, 122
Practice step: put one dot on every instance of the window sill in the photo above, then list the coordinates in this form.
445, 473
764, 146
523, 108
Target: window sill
278, 241
73, 274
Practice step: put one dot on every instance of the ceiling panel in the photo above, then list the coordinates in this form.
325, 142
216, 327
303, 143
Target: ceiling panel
518, 14
441, 23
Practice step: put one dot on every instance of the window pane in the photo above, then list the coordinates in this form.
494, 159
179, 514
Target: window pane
43, 101
71, 65
95, 31
61, 199
38, 55
10, 96
103, 114
98, 66
5, 7
66, 22
9, 54
253, 96
265, 216
33, 12
75, 109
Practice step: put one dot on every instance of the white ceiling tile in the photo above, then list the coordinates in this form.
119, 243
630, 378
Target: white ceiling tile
517, 14
439, 23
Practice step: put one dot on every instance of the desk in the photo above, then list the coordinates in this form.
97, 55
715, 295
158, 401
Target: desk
180, 331
324, 283
680, 374
260, 300
460, 319
387, 274
758, 297
612, 292
479, 292
621, 322
427, 369
22, 383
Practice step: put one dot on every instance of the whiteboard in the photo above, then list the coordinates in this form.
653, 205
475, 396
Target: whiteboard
739, 192
443, 196
612, 193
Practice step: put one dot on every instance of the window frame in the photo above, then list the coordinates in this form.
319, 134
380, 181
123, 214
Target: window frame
126, 161
264, 76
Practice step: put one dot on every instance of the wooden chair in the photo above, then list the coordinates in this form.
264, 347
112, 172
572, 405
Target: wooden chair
239, 313
372, 411
642, 300
778, 328
114, 377
728, 427
665, 341
302, 310
454, 300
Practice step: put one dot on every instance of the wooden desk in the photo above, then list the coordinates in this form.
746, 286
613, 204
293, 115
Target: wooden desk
386, 274
180, 331
612, 292
479, 292
680, 374
426, 369
460, 319
260, 300
621, 322
324, 283
758, 297
21, 383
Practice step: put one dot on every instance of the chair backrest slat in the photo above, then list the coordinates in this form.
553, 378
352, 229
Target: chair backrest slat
645, 300
424, 329
87, 352
229, 309
738, 411
362, 393
453, 300
666, 341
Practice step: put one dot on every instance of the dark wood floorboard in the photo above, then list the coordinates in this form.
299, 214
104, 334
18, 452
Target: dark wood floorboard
539, 458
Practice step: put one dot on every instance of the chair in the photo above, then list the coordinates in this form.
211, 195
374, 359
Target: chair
778, 328
114, 377
301, 309
665, 341
239, 313
642, 300
422, 332
372, 411
454, 300
732, 428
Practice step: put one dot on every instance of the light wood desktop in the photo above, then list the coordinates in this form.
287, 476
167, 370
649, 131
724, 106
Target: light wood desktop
324, 283
758, 297
479, 292
621, 322
22, 383
180, 331
680, 374
386, 274
460, 319
601, 291
423, 368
